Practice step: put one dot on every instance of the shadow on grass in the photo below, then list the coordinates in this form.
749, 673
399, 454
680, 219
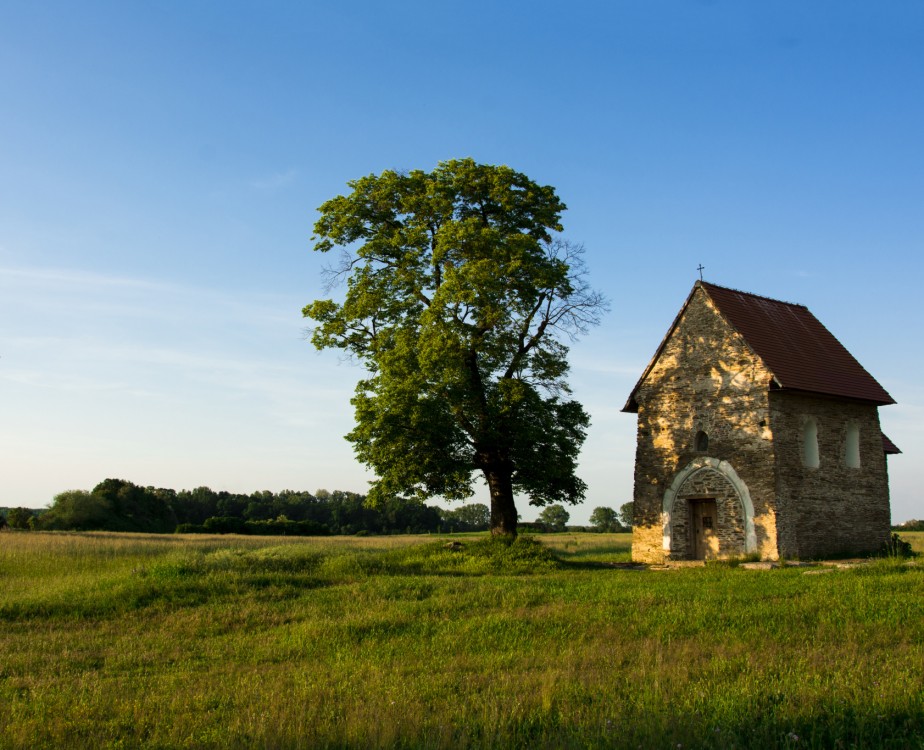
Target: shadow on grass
578, 564
581, 554
820, 726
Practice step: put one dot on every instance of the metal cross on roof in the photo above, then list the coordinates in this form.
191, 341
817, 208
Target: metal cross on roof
700, 268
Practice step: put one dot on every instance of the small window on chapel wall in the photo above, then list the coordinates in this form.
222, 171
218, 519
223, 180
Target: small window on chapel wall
810, 443
852, 446
701, 442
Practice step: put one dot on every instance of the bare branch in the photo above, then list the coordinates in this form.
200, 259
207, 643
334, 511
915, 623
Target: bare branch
334, 274
571, 311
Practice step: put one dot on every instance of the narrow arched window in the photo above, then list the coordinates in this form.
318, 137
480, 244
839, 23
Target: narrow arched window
852, 446
701, 442
810, 443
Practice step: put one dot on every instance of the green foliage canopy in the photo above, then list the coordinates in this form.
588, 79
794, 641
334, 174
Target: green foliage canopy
19, 518
605, 520
627, 514
77, 509
458, 299
113, 505
120, 505
470, 517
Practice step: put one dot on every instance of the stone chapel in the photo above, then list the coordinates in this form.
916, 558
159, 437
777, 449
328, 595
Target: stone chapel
758, 434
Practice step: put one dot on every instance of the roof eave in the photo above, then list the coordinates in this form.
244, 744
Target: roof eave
777, 387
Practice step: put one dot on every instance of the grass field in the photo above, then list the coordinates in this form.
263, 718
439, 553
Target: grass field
149, 641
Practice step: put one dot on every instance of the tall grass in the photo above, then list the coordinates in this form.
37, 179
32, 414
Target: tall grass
136, 641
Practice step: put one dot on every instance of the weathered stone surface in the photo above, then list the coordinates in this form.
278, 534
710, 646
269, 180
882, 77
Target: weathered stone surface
710, 426
706, 379
832, 509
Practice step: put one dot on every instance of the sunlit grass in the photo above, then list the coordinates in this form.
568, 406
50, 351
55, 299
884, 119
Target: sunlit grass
590, 548
150, 641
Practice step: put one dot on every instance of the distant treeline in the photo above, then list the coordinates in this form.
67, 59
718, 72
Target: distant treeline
119, 505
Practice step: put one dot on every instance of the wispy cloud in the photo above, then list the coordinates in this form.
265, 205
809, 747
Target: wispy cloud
275, 181
72, 292
590, 365
75, 277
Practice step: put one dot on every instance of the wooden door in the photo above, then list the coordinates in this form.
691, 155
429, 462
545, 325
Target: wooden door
705, 541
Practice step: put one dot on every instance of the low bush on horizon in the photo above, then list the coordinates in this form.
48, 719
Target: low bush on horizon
131, 640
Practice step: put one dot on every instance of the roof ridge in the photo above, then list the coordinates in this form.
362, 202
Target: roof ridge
707, 284
797, 350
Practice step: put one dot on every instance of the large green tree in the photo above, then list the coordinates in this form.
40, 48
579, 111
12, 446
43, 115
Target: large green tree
459, 300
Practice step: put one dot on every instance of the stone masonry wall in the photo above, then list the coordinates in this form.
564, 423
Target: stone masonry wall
708, 379
832, 509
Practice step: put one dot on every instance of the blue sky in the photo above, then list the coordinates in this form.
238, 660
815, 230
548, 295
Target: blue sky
161, 164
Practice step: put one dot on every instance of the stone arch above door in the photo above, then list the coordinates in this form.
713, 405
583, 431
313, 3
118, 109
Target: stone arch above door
696, 472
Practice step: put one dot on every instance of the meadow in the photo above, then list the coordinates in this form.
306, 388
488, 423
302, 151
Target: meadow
122, 640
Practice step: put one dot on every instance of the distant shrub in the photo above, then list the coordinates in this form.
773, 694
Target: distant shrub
470, 517
232, 525
605, 520
554, 518
284, 527
189, 528
224, 525
912, 525
898, 547
19, 518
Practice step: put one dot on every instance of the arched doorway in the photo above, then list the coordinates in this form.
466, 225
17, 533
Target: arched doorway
707, 513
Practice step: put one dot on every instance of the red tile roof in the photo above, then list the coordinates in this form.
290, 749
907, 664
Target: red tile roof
801, 353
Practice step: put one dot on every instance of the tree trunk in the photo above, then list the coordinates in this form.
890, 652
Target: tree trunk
503, 510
